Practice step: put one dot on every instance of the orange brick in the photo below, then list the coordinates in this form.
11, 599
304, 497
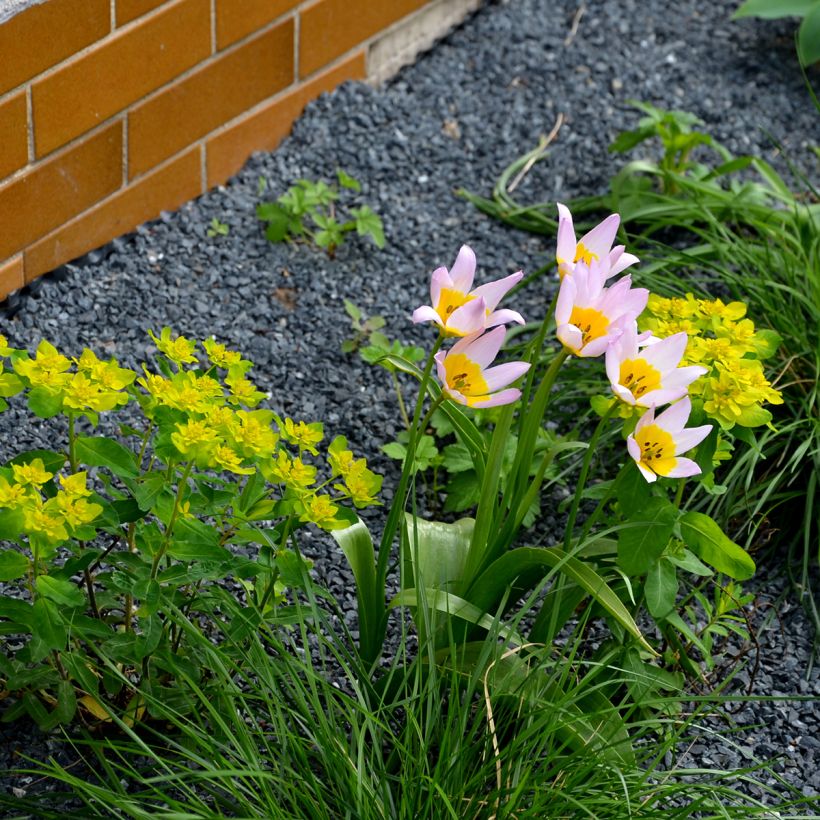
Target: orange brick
214, 94
41, 36
162, 190
56, 190
128, 10
11, 276
264, 129
329, 28
236, 19
119, 71
13, 135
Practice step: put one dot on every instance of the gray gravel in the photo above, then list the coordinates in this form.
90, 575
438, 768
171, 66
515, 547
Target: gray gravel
456, 118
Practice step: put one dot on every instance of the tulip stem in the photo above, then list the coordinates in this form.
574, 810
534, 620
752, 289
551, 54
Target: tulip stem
582, 479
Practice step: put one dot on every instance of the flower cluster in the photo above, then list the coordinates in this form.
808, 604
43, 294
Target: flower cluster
50, 517
730, 350
85, 386
210, 416
464, 370
593, 318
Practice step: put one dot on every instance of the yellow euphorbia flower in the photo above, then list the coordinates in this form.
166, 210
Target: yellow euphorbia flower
46, 369
305, 436
320, 510
13, 495
220, 356
80, 393
194, 439
254, 436
33, 473
75, 485
179, 350
227, 459
109, 374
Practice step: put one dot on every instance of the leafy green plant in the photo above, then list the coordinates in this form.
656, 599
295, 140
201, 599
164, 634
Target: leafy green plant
104, 540
218, 228
301, 737
309, 211
808, 34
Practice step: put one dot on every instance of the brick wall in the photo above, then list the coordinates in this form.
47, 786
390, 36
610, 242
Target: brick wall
114, 110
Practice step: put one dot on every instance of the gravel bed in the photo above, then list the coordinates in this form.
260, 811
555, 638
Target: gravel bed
456, 118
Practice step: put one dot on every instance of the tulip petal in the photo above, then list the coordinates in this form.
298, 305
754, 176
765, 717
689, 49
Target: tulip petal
484, 348
691, 437
620, 261
674, 418
496, 399
503, 374
493, 292
467, 319
463, 271
502, 317
667, 353
599, 240
664, 395
682, 468
570, 336
566, 299
426, 314
440, 279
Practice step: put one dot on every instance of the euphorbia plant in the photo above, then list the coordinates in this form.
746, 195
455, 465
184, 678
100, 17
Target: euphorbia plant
106, 541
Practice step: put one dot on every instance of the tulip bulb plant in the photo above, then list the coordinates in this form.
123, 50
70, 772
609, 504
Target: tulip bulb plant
468, 572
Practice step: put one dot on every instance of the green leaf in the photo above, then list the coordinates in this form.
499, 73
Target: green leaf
195, 541
753, 416
808, 36
357, 546
707, 540
99, 451
77, 665
292, 568
454, 607
48, 631
661, 588
632, 491
61, 592
10, 384
44, 403
347, 181
12, 523
368, 223
767, 341
525, 567
277, 218
772, 9
394, 450
438, 550
689, 562
13, 565
645, 536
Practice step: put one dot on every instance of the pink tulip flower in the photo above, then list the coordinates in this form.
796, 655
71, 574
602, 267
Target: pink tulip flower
589, 316
593, 246
466, 376
649, 376
657, 443
460, 311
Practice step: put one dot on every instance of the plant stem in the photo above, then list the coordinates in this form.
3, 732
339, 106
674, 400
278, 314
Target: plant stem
582, 479
183, 483
72, 444
402, 408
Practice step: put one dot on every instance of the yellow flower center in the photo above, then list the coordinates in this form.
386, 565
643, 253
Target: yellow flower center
591, 322
657, 449
464, 376
639, 377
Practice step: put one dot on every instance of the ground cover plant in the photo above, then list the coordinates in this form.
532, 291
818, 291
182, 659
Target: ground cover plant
485, 632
